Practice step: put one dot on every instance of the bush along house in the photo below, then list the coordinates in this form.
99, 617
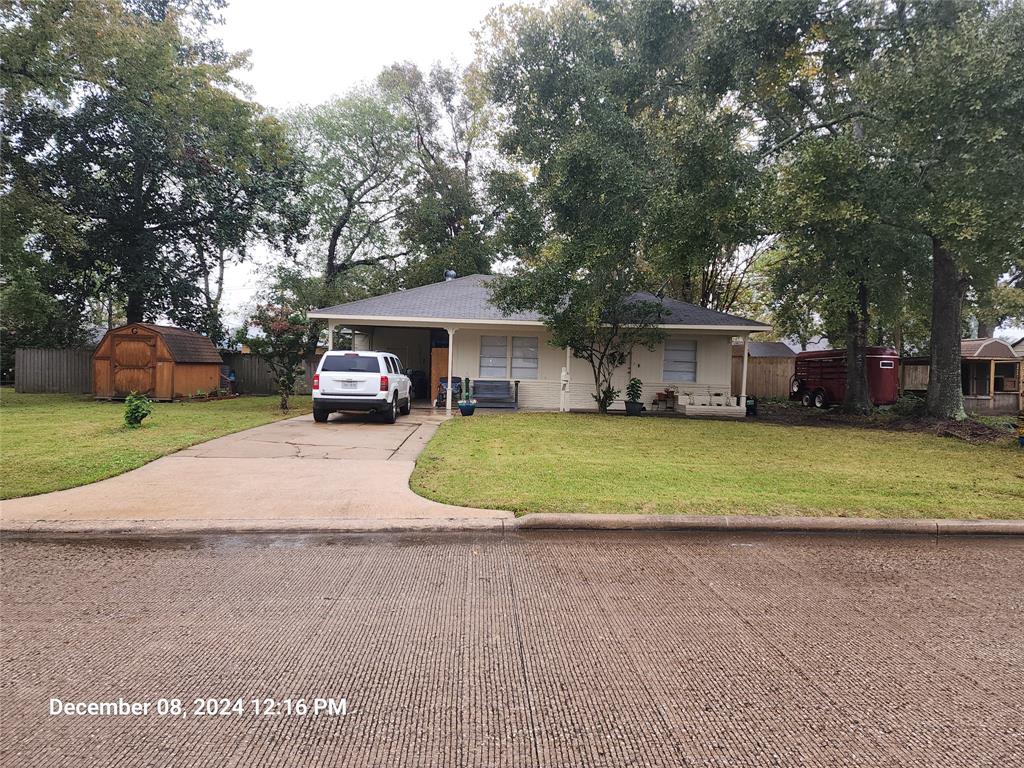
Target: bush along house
449, 331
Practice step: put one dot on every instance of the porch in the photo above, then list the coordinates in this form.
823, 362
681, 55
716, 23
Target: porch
686, 375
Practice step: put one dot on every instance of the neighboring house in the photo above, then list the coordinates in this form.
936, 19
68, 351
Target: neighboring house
451, 329
990, 374
1018, 347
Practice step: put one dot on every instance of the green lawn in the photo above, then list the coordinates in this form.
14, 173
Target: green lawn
589, 463
50, 442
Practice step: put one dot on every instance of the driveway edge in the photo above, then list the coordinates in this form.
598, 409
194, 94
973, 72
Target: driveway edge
506, 523
793, 524
132, 528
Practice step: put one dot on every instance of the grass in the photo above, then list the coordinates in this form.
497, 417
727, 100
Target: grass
52, 442
589, 463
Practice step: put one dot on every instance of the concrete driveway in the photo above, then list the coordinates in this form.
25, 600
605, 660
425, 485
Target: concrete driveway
289, 475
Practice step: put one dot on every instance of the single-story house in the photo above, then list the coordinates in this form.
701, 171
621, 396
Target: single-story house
990, 373
1018, 347
452, 330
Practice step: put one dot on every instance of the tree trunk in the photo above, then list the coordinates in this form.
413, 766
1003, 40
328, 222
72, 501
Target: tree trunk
985, 329
858, 393
135, 309
945, 393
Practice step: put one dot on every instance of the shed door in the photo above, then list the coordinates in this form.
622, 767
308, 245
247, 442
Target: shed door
134, 362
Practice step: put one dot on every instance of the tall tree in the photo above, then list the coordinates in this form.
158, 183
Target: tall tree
444, 221
949, 96
121, 178
357, 150
929, 94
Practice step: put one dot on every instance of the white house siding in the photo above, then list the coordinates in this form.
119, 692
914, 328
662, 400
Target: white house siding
714, 369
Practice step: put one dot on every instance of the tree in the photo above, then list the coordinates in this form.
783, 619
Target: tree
950, 99
444, 220
593, 311
129, 165
357, 151
927, 98
281, 339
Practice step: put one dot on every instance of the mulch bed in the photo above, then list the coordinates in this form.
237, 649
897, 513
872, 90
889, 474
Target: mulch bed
970, 430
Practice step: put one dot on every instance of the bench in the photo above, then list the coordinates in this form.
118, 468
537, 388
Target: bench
495, 394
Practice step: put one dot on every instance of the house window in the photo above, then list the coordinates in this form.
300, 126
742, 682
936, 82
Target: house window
1007, 378
494, 357
525, 357
680, 360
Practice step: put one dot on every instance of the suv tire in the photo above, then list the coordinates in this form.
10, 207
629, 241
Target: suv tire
406, 409
320, 415
391, 414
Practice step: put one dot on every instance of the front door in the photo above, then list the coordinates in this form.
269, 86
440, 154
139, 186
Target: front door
134, 362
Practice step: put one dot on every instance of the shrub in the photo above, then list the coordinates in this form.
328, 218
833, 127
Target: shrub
909, 406
634, 390
136, 408
605, 399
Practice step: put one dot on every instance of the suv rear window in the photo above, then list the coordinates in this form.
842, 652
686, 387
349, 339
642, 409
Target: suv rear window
351, 363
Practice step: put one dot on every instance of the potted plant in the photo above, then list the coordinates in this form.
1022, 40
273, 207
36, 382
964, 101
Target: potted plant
467, 404
634, 389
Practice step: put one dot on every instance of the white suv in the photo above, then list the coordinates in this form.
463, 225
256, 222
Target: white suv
361, 381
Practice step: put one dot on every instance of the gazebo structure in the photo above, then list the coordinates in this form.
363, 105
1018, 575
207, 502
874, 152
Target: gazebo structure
990, 373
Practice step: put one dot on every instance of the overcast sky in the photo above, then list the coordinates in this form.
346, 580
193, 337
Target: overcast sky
305, 51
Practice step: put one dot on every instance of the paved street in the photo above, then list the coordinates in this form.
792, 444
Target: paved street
553, 649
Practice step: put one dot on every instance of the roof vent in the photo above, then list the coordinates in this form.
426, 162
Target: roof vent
450, 274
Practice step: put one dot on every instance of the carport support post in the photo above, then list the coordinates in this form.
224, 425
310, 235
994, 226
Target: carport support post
330, 335
451, 352
743, 378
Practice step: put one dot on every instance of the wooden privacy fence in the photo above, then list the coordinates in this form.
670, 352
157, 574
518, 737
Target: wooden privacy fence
67, 371
255, 378
767, 377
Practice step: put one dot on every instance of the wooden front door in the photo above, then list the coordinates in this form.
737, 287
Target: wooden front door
134, 363
438, 369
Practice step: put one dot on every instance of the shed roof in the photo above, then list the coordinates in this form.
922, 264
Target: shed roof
986, 349
186, 346
765, 349
468, 298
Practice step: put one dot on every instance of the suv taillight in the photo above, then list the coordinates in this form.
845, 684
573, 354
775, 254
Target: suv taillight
316, 381
383, 383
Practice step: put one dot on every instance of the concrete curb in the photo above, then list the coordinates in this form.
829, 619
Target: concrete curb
537, 521
598, 522
131, 528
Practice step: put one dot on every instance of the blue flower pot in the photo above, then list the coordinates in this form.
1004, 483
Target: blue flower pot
466, 409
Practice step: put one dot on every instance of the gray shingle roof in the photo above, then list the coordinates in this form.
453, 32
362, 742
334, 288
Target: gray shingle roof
467, 298
765, 349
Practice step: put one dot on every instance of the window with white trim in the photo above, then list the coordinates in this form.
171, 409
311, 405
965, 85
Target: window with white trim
525, 357
494, 357
680, 360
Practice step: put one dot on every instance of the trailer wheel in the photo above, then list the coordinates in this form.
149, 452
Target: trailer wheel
806, 399
819, 399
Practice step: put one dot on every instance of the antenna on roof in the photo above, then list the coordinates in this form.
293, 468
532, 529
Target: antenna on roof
450, 274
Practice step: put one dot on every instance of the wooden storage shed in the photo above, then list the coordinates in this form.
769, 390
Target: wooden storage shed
990, 373
160, 361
